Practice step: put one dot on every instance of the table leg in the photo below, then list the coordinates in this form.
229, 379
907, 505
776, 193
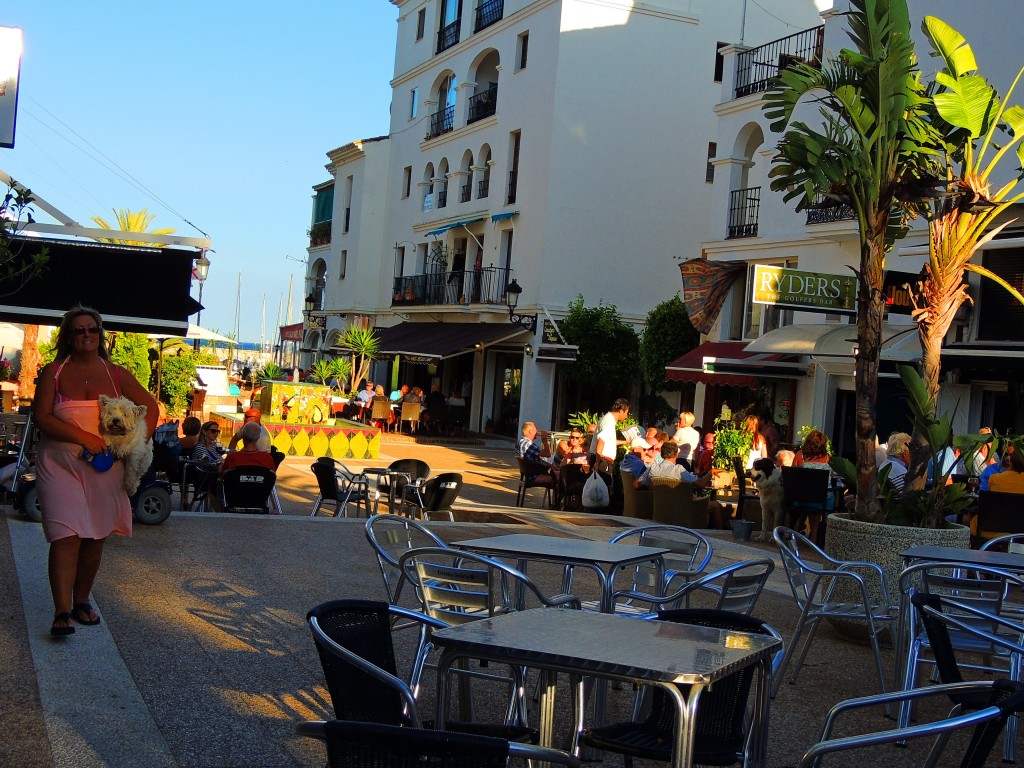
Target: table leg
759, 723
686, 718
548, 687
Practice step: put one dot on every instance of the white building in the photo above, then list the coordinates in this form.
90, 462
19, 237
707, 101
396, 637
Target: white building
562, 144
800, 364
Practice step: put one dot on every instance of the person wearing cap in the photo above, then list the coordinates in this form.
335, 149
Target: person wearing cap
635, 460
252, 415
670, 469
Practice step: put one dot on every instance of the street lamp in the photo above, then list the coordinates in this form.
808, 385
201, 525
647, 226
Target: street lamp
512, 291
200, 271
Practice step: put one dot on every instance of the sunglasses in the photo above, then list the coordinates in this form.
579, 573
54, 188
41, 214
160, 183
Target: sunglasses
91, 330
214, 431
575, 437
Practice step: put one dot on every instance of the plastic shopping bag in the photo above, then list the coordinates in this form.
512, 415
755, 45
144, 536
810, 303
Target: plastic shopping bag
595, 492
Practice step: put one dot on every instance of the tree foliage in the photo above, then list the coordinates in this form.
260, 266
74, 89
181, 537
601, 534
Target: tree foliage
132, 351
178, 375
667, 335
132, 221
15, 212
609, 351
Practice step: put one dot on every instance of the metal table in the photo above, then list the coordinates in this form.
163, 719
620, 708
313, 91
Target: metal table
1006, 560
602, 558
614, 647
392, 475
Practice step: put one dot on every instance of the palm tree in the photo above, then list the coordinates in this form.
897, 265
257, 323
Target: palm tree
872, 152
365, 346
132, 221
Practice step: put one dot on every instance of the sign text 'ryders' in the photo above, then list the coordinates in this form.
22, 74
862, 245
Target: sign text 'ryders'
809, 291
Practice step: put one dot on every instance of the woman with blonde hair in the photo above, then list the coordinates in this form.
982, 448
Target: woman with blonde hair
758, 445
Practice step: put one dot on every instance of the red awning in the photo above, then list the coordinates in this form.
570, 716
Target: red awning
726, 362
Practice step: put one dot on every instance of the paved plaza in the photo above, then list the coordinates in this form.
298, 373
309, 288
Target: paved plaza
203, 658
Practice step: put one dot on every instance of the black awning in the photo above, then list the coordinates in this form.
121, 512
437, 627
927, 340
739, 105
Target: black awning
437, 341
138, 289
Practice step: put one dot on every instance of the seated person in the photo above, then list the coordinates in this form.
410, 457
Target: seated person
528, 447
206, 450
457, 399
991, 470
250, 454
898, 451
190, 427
571, 450
399, 393
378, 397
434, 404
814, 451
707, 455
784, 458
670, 469
252, 415
686, 436
361, 402
1010, 480
636, 459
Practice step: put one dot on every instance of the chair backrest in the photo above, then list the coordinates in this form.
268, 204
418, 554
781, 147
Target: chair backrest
198, 475
675, 503
802, 581
1000, 513
326, 480
635, 502
441, 492
362, 627
458, 587
365, 745
381, 409
247, 488
410, 411
415, 468
737, 586
805, 486
723, 706
689, 553
391, 536
1012, 543
457, 414
531, 467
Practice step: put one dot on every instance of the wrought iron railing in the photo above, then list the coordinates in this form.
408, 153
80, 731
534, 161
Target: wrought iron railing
442, 121
442, 198
488, 13
756, 68
483, 104
483, 187
467, 286
830, 214
744, 205
448, 36
466, 192
513, 182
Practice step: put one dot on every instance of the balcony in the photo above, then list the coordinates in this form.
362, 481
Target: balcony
744, 205
458, 287
756, 68
442, 121
466, 192
513, 182
829, 214
447, 36
320, 234
483, 188
483, 104
487, 13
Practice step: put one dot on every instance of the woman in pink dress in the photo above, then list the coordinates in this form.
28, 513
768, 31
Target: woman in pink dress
81, 506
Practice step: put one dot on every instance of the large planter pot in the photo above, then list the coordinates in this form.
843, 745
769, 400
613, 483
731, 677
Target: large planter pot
847, 539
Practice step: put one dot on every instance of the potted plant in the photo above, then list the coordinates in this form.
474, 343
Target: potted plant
730, 440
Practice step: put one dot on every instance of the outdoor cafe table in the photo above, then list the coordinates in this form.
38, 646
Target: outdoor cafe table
613, 647
392, 475
602, 558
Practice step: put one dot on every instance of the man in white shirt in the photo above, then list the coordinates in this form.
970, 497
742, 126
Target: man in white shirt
604, 443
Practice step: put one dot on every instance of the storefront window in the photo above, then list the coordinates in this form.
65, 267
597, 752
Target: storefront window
759, 319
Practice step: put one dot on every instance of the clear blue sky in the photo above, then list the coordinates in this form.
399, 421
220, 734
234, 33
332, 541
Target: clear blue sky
223, 110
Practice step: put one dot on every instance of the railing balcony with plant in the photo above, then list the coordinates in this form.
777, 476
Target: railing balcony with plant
756, 68
483, 104
442, 121
487, 13
448, 36
744, 205
320, 234
513, 183
467, 286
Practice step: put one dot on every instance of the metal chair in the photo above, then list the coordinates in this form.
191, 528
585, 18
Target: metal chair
391, 536
354, 642
411, 413
814, 589
247, 489
571, 478
412, 471
197, 480
736, 588
975, 598
722, 736
470, 588
341, 486
535, 474
364, 745
744, 495
1003, 699
434, 496
805, 493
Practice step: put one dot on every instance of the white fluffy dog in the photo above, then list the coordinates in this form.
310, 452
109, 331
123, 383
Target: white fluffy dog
768, 480
123, 428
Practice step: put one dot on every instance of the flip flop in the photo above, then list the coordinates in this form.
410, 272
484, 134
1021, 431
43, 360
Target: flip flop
80, 613
62, 631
